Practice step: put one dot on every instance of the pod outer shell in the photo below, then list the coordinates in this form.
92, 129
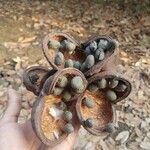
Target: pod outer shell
43, 72
36, 123
50, 54
96, 131
110, 60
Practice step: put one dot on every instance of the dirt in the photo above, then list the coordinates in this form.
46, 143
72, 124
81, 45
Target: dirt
23, 24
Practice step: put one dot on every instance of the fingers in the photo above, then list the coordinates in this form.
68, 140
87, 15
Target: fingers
30, 135
13, 107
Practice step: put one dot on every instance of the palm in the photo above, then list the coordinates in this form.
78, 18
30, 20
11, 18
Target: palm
17, 136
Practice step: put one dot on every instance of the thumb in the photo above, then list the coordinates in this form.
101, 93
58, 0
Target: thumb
14, 106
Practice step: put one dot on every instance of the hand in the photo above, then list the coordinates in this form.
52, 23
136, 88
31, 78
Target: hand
16, 136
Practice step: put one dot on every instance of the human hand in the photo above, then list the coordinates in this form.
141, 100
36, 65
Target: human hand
16, 136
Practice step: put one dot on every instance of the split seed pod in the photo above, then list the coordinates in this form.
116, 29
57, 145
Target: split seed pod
48, 122
69, 47
48, 119
110, 52
34, 78
96, 119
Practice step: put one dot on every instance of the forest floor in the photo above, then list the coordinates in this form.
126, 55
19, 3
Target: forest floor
23, 24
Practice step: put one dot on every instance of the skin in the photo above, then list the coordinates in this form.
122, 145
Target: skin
21, 136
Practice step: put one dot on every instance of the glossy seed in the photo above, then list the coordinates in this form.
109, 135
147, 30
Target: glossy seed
68, 128
33, 78
62, 82
57, 91
67, 115
99, 54
68, 63
77, 65
102, 83
103, 44
92, 87
113, 83
77, 84
89, 123
69, 46
110, 128
93, 46
90, 61
87, 51
111, 95
54, 44
66, 96
121, 88
59, 58
88, 102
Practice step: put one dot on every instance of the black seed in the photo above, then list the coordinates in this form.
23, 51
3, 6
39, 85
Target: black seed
33, 78
77, 84
59, 58
88, 102
54, 44
67, 115
111, 95
93, 46
77, 65
62, 81
68, 63
102, 83
113, 83
87, 51
66, 96
57, 91
89, 123
83, 68
69, 46
110, 128
90, 61
121, 88
68, 128
103, 44
92, 87
99, 55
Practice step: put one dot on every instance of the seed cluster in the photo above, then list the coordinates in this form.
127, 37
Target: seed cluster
95, 52
111, 87
68, 87
61, 47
